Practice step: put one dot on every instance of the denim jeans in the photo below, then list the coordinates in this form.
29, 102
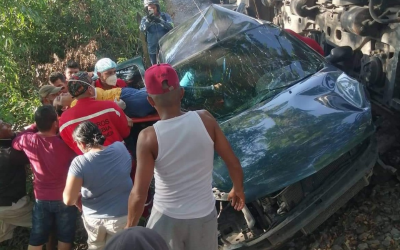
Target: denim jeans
44, 214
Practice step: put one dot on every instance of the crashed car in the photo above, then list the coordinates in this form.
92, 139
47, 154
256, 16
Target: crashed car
301, 127
131, 71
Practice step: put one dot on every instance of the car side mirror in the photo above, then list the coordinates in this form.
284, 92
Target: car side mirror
340, 54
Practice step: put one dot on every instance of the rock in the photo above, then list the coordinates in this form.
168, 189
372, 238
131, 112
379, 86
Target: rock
387, 229
395, 218
374, 244
387, 209
386, 243
339, 240
314, 245
361, 229
363, 236
364, 209
362, 246
336, 247
395, 233
378, 220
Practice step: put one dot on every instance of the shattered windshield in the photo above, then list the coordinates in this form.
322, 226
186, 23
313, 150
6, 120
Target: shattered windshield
241, 71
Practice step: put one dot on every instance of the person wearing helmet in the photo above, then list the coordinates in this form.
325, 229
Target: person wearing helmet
155, 25
105, 75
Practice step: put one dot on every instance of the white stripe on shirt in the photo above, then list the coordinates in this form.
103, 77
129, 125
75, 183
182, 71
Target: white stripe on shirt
84, 118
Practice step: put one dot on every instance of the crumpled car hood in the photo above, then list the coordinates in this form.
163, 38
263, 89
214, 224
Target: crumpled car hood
297, 133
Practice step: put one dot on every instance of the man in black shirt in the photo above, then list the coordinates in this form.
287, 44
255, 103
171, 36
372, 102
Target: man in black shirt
15, 205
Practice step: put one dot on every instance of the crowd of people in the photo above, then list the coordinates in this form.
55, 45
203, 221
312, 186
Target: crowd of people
86, 160
81, 165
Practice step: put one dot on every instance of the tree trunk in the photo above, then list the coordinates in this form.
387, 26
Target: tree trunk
142, 37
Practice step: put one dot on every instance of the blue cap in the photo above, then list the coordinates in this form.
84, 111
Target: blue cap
103, 65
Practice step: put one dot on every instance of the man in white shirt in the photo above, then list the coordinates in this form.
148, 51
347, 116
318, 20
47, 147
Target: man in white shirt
179, 151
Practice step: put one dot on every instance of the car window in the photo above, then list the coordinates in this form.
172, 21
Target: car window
244, 70
131, 75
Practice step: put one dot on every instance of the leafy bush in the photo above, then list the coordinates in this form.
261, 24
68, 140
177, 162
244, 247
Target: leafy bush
37, 37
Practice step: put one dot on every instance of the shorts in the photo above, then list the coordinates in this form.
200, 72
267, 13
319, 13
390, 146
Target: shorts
45, 214
100, 231
181, 234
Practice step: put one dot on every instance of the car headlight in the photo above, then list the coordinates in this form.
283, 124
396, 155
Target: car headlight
351, 90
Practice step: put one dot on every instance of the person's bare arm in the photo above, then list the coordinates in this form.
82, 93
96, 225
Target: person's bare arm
224, 150
146, 155
72, 190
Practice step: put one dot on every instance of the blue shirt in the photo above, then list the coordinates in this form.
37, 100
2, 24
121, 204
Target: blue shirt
106, 181
136, 102
155, 31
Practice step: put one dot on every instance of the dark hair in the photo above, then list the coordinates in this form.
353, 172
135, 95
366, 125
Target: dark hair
88, 133
44, 117
58, 109
72, 64
55, 76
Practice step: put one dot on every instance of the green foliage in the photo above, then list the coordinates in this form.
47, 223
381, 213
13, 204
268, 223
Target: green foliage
33, 31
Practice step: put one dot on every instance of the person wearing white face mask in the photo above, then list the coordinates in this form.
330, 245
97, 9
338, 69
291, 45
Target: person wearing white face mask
105, 75
107, 115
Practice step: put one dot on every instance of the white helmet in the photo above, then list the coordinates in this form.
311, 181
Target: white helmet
148, 2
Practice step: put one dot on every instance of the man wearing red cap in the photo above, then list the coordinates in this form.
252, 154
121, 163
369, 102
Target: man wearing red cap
310, 42
179, 152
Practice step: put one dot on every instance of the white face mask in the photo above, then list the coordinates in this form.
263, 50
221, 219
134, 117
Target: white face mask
112, 80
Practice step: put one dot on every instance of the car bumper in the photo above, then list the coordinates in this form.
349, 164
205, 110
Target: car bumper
319, 206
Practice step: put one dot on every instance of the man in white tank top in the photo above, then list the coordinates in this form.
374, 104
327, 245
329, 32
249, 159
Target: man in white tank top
179, 152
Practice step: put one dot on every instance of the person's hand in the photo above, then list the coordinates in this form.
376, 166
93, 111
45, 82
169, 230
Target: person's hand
157, 20
120, 103
237, 199
130, 122
153, 18
218, 85
78, 203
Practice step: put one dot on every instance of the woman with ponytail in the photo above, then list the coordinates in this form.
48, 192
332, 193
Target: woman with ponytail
101, 175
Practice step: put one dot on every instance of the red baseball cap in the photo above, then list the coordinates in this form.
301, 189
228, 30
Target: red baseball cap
156, 75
